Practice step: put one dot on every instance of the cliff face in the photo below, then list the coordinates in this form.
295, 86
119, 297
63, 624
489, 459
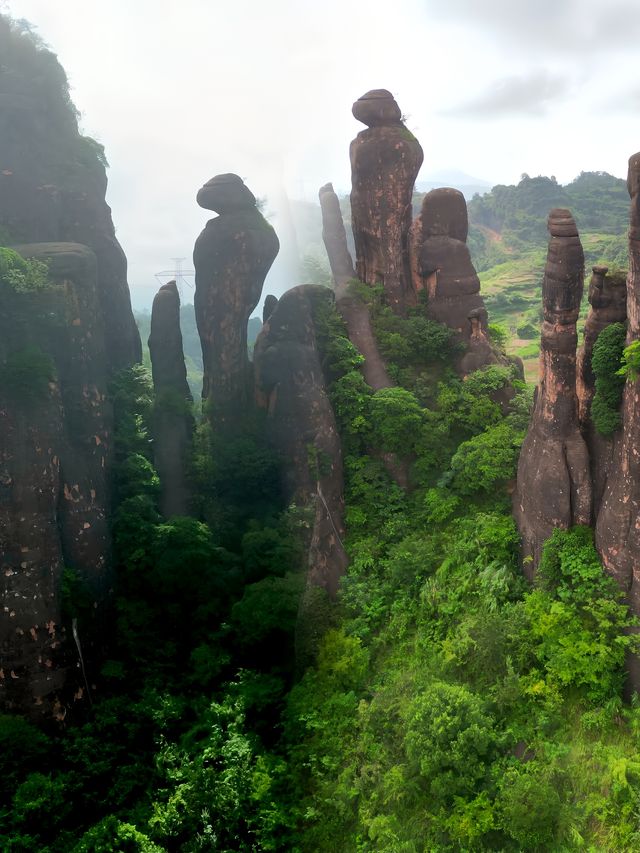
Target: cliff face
55, 431
618, 523
554, 484
53, 181
607, 297
385, 161
232, 257
172, 418
290, 385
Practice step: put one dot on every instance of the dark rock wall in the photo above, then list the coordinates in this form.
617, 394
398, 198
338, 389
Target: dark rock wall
232, 257
618, 522
172, 418
55, 435
53, 182
607, 297
385, 161
554, 483
290, 385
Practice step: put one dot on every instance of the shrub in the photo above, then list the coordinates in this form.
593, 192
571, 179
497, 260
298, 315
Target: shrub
26, 374
605, 362
450, 738
22, 274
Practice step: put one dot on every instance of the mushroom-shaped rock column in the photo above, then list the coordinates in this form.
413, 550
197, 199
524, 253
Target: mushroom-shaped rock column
385, 161
608, 299
618, 523
554, 484
172, 418
232, 257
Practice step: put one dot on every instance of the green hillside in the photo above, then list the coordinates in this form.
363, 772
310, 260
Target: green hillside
508, 241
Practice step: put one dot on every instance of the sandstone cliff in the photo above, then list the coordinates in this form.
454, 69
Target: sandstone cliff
55, 432
618, 523
53, 181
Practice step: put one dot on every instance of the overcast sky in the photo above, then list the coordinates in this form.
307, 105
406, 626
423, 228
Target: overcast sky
180, 91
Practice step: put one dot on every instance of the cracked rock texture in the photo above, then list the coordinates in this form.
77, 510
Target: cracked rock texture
385, 161
618, 522
554, 482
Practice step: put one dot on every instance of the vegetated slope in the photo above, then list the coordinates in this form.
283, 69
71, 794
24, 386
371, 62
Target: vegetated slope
451, 707
508, 241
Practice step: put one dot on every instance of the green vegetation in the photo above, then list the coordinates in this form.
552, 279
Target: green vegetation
23, 275
605, 362
25, 375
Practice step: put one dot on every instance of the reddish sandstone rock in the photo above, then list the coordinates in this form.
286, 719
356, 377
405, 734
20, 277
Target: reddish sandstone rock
232, 257
353, 310
172, 418
618, 522
607, 295
385, 161
554, 485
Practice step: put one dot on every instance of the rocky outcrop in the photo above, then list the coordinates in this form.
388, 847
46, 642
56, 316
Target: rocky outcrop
172, 418
607, 296
353, 310
442, 270
300, 421
53, 181
618, 523
55, 434
385, 161
232, 257
269, 306
554, 485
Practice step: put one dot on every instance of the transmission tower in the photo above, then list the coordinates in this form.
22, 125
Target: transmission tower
177, 274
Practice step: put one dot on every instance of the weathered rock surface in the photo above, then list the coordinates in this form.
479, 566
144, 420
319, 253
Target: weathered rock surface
554, 484
353, 310
232, 257
607, 296
269, 306
172, 419
53, 181
442, 269
385, 161
301, 424
55, 433
618, 522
